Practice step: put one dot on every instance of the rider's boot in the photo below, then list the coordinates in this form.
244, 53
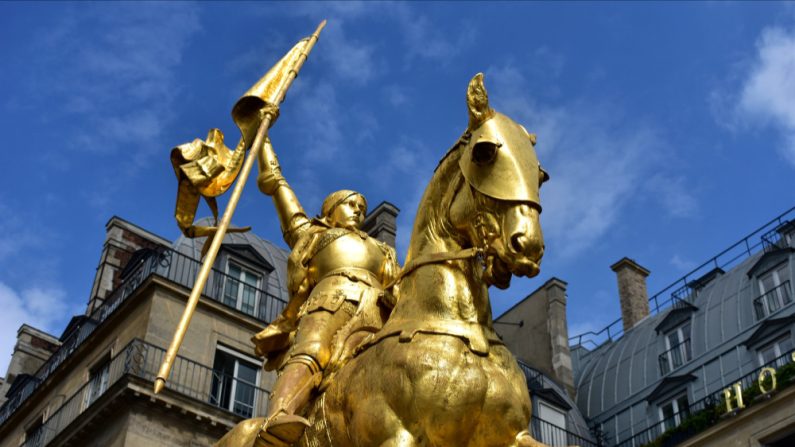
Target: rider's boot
283, 426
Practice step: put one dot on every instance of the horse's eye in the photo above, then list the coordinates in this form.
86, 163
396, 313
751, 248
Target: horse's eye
484, 153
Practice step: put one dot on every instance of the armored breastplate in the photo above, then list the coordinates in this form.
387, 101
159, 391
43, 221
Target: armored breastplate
345, 249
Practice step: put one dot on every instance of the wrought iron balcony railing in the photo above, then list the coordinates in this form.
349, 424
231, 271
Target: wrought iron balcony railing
656, 428
168, 264
552, 435
773, 300
142, 360
678, 355
761, 238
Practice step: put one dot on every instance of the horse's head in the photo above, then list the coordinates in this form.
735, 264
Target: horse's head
499, 162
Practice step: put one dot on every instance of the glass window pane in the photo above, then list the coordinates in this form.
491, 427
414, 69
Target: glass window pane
223, 371
759, 308
247, 372
783, 273
234, 271
234, 384
768, 354
668, 416
766, 282
683, 407
248, 303
230, 292
685, 331
251, 279
772, 301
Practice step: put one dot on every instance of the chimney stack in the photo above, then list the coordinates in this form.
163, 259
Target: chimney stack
381, 223
632, 291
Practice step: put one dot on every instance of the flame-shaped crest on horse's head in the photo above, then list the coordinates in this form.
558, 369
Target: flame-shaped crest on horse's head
499, 160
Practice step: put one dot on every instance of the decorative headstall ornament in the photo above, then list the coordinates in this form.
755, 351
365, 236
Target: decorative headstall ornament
497, 159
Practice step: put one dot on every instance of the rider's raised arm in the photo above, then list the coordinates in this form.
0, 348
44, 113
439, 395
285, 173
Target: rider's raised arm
292, 217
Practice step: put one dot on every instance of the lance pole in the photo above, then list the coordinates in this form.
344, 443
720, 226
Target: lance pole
209, 260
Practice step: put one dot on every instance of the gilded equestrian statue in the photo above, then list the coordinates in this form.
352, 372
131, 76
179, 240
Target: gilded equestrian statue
436, 374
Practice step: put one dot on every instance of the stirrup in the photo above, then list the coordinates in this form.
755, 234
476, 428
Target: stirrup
282, 430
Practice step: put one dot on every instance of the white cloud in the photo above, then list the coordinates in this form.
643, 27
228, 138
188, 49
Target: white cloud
684, 265
396, 96
351, 59
599, 163
320, 131
16, 234
99, 64
674, 194
41, 307
766, 95
425, 40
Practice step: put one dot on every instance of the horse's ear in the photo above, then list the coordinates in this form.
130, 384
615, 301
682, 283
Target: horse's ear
478, 102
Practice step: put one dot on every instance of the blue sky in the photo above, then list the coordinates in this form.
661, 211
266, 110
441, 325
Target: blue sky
668, 128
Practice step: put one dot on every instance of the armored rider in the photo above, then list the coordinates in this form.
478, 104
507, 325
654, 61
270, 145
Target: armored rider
335, 271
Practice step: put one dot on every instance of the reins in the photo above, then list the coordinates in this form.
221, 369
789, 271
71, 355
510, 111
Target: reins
434, 258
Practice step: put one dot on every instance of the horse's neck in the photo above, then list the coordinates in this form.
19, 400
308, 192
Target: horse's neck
451, 290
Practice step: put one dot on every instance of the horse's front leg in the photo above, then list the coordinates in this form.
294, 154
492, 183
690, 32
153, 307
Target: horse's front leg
401, 439
524, 439
378, 425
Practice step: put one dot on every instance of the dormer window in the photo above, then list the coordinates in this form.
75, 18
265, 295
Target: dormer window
774, 288
554, 432
677, 348
674, 411
773, 350
241, 288
241, 281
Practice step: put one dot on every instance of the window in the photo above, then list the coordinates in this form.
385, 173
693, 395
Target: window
673, 412
553, 433
234, 384
773, 350
240, 288
677, 349
34, 434
774, 291
97, 383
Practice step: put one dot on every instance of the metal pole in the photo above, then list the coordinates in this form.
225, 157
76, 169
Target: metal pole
209, 260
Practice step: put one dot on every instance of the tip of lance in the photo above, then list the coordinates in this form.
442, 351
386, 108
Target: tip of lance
320, 27
160, 383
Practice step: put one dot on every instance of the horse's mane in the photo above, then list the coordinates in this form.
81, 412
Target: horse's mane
433, 210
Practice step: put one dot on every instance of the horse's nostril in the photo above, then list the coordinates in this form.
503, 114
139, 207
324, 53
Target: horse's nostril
518, 242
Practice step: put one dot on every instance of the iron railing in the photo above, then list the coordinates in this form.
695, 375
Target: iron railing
168, 264
670, 295
772, 300
546, 431
552, 435
658, 428
678, 355
142, 360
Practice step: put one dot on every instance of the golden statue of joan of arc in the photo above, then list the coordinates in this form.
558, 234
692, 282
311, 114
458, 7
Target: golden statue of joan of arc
337, 277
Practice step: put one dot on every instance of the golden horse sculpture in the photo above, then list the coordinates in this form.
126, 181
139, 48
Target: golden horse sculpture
437, 374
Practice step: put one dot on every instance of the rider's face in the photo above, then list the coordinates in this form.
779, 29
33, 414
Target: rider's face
349, 213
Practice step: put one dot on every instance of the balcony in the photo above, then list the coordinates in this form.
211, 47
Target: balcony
168, 264
142, 360
552, 435
770, 302
678, 355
